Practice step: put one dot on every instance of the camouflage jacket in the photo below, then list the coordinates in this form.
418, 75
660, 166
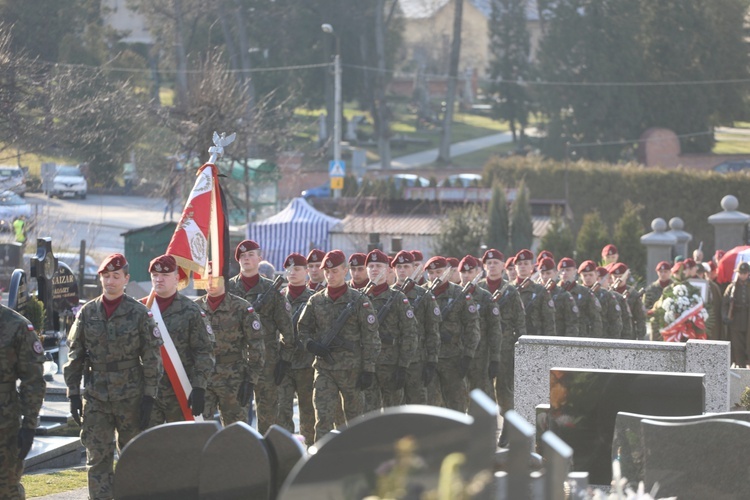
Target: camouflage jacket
611, 314
21, 358
589, 311
300, 358
238, 338
627, 318
398, 329
128, 337
637, 313
540, 310
511, 312
652, 294
459, 329
490, 323
360, 330
427, 314
566, 313
737, 296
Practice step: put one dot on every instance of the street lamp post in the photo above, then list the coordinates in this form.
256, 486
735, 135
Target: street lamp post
327, 28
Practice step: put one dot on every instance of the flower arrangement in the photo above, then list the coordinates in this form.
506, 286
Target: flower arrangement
679, 314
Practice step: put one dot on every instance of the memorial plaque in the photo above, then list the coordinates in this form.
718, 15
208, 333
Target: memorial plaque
584, 406
18, 293
64, 288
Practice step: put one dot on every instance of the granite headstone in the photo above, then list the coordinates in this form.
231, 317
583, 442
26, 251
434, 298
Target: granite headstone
18, 293
284, 451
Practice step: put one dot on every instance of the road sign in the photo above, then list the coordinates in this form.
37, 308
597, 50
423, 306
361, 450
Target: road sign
337, 183
336, 168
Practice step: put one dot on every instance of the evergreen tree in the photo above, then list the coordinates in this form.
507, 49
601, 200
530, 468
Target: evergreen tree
521, 225
559, 238
497, 225
627, 239
462, 232
592, 237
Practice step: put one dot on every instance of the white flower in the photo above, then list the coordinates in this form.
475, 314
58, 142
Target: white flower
680, 290
667, 304
669, 316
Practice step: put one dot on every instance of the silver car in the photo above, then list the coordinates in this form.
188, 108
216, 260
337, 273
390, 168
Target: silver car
13, 179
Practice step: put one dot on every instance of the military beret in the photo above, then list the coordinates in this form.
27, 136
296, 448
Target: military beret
245, 246
468, 263
377, 256
112, 263
163, 264
452, 261
587, 266
602, 271
524, 255
677, 267
357, 259
418, 256
436, 262
315, 256
566, 263
403, 257
619, 268
663, 266
689, 263
492, 254
609, 250
743, 267
543, 254
332, 259
546, 264
295, 259
511, 262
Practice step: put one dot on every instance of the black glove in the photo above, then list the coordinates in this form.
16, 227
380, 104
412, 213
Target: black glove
319, 350
399, 378
147, 404
726, 319
25, 440
245, 392
494, 369
197, 401
463, 365
280, 370
364, 381
428, 372
76, 408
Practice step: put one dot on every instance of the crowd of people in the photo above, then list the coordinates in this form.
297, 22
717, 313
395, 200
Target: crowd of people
341, 335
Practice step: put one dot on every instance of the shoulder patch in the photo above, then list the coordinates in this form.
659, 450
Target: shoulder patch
617, 307
406, 301
371, 319
288, 306
575, 309
472, 308
551, 304
203, 314
409, 313
156, 332
38, 348
496, 310
250, 309
209, 329
150, 314
256, 325
30, 327
365, 304
436, 311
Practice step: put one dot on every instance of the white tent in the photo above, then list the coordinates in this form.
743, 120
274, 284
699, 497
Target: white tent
297, 228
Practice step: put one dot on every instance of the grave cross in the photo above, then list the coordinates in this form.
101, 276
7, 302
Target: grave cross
43, 267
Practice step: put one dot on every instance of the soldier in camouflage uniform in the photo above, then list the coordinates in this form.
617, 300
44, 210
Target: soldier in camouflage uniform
300, 375
589, 308
654, 290
418, 263
276, 319
317, 279
358, 271
190, 331
346, 365
239, 352
459, 336
427, 314
735, 311
566, 309
510, 269
613, 314
610, 255
21, 358
619, 274
114, 348
485, 366
398, 336
539, 307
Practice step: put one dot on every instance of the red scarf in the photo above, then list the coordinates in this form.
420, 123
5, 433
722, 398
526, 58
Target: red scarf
378, 289
493, 285
664, 284
314, 286
249, 282
164, 303
296, 290
214, 302
440, 289
335, 293
110, 305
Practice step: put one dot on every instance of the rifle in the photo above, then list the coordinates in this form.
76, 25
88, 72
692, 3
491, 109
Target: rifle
595, 287
295, 318
410, 282
614, 286
383, 311
439, 281
503, 298
547, 287
465, 291
265, 296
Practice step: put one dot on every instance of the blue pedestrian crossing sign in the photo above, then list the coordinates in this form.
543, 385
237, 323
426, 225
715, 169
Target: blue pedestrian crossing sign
337, 168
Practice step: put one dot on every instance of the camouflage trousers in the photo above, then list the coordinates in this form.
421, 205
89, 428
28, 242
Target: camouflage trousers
478, 376
326, 389
224, 399
266, 390
504, 381
452, 384
298, 381
11, 467
382, 394
415, 393
434, 393
166, 408
101, 419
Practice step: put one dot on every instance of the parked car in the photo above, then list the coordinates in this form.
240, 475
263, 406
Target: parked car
68, 181
13, 179
12, 206
322, 191
465, 180
90, 268
732, 166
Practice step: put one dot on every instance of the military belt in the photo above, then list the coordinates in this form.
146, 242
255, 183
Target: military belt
387, 339
7, 387
227, 359
115, 366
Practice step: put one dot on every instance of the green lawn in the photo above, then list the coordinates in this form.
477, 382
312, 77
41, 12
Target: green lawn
39, 485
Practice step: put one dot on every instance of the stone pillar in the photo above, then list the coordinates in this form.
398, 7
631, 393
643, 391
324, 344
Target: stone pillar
659, 245
730, 226
676, 226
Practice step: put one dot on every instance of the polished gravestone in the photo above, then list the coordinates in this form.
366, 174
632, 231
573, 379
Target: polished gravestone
53, 452
698, 460
284, 451
584, 405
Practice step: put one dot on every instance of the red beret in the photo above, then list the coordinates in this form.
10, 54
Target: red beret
468, 263
566, 263
524, 255
377, 256
114, 262
245, 246
295, 259
602, 271
436, 262
492, 254
543, 254
619, 268
609, 250
452, 261
332, 259
357, 259
663, 266
677, 267
163, 264
418, 257
511, 262
546, 264
403, 257
587, 266
315, 256
689, 263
